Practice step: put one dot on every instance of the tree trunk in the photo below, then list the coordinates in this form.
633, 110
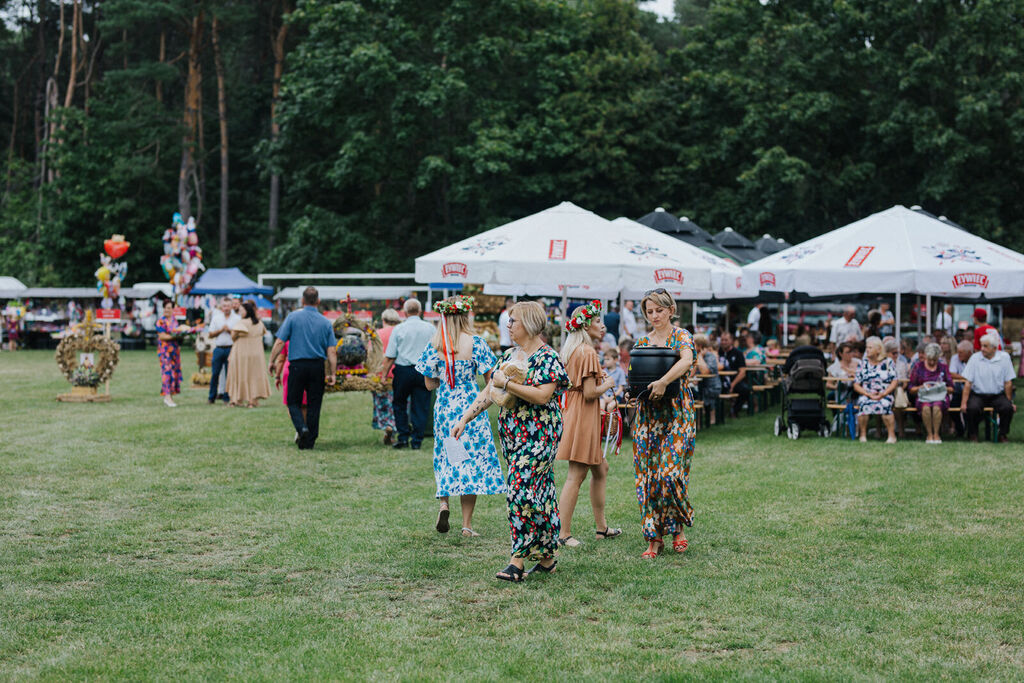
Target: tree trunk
222, 115
193, 83
163, 58
76, 32
275, 127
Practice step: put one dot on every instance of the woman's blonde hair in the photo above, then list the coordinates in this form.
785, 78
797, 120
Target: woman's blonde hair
457, 325
658, 298
574, 340
873, 341
531, 314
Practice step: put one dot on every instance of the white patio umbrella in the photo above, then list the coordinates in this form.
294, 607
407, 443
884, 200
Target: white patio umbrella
897, 251
568, 246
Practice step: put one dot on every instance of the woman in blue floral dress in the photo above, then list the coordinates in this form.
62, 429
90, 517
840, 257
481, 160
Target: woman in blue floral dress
454, 346
664, 433
875, 383
169, 351
530, 433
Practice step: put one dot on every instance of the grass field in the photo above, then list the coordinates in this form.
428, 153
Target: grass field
147, 543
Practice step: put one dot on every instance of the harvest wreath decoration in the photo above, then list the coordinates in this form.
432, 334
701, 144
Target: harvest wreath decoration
106, 354
361, 346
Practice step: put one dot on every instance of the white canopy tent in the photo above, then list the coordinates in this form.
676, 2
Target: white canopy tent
358, 293
896, 251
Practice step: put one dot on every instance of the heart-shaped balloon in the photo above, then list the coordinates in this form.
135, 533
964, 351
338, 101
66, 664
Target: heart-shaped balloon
116, 246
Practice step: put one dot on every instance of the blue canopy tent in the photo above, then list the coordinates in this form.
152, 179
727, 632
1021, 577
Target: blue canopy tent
228, 281
260, 300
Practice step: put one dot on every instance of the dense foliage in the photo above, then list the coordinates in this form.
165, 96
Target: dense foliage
405, 124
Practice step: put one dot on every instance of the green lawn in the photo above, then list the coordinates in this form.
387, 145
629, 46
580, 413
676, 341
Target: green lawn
147, 543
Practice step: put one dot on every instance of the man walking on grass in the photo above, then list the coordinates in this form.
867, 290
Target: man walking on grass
310, 341
404, 348
222, 322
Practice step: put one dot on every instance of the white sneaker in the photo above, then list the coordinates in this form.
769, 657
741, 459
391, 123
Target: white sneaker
169, 402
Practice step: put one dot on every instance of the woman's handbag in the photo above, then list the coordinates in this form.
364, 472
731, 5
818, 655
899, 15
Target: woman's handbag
901, 402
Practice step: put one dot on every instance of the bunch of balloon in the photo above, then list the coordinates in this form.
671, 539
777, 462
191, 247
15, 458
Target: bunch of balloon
111, 272
182, 260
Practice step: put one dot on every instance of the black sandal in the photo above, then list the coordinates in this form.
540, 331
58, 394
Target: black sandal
541, 568
608, 533
511, 573
442, 521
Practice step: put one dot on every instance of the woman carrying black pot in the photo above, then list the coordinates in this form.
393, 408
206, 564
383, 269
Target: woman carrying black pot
664, 432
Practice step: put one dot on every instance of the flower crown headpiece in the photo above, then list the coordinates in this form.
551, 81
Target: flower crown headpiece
583, 315
457, 305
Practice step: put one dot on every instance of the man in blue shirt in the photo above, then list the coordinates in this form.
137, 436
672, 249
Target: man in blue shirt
404, 348
310, 341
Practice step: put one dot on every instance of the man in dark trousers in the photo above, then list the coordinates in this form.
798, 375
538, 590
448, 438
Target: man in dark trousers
404, 348
310, 341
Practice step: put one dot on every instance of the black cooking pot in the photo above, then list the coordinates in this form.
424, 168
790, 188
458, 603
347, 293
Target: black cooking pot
650, 363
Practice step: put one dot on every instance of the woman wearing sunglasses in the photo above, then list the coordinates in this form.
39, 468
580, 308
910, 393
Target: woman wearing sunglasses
530, 432
664, 432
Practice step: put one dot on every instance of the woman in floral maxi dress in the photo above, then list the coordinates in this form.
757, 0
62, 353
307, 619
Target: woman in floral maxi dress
530, 433
169, 351
469, 355
664, 432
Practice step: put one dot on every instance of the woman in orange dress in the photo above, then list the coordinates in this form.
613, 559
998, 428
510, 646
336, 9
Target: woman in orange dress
581, 430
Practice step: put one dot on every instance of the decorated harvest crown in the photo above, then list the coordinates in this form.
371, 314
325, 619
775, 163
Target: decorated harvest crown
583, 315
457, 305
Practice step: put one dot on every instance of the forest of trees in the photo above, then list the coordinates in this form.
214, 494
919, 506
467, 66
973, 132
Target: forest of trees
355, 135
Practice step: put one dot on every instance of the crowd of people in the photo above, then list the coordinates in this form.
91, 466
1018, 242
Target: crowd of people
551, 404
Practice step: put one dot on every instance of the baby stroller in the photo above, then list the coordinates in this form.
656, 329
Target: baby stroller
803, 394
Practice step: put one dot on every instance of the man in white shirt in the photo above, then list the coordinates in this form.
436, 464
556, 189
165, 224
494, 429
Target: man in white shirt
846, 328
989, 374
944, 320
404, 348
627, 321
222, 322
754, 317
504, 337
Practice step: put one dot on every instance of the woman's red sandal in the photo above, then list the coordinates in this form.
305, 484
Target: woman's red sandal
651, 553
679, 545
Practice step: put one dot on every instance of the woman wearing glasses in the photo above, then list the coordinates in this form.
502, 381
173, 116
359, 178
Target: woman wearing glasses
530, 432
664, 433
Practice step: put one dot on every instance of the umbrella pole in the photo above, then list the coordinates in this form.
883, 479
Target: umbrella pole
898, 317
565, 311
928, 314
917, 308
693, 317
785, 324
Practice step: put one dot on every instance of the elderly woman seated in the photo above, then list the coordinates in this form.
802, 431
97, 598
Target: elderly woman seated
875, 382
899, 363
930, 384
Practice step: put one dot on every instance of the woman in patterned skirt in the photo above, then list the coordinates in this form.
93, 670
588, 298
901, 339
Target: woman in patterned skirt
450, 364
169, 351
530, 433
876, 383
664, 432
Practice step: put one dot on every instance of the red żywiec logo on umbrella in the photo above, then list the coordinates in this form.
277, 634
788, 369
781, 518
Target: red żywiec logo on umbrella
668, 275
739, 283
970, 280
453, 269
767, 279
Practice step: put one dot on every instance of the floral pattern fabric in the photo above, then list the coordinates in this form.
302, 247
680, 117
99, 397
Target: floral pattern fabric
529, 438
481, 473
169, 353
876, 377
383, 410
664, 434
